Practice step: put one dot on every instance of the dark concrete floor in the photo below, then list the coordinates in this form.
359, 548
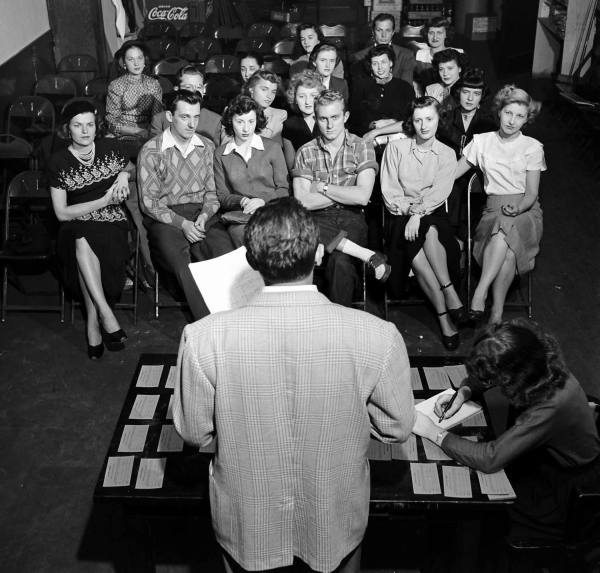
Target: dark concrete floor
58, 409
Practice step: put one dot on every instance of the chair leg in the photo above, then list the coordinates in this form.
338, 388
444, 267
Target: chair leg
4, 292
62, 304
136, 276
530, 295
156, 294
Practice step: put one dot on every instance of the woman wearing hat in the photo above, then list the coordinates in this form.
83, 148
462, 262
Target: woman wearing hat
88, 184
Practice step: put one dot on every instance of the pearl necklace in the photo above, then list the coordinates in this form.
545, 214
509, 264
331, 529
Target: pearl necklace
86, 158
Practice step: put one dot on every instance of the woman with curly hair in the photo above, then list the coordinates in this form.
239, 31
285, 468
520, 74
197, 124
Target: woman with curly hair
449, 65
507, 238
553, 444
250, 170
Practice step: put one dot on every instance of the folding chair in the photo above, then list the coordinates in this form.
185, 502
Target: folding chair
223, 64
81, 68
56, 89
229, 36
158, 305
360, 301
27, 206
475, 187
192, 30
289, 30
161, 48
157, 29
264, 30
276, 65
169, 67
284, 47
96, 88
200, 49
258, 45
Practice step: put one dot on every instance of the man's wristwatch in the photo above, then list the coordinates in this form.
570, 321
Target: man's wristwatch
439, 438
325, 188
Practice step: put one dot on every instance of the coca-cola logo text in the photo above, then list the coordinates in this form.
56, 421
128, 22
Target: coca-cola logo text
168, 13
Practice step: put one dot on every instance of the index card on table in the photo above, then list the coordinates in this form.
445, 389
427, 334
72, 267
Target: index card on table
170, 440
425, 478
495, 484
406, 451
133, 438
169, 414
144, 407
457, 374
433, 452
149, 376
118, 471
171, 377
227, 281
467, 410
437, 379
457, 481
378, 450
151, 473
415, 379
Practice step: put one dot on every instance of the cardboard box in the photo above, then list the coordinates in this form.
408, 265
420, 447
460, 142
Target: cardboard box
480, 26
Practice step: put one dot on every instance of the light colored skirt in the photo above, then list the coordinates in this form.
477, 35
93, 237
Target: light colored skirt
523, 232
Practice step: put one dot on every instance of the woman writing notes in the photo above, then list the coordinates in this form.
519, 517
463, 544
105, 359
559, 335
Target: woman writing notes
507, 238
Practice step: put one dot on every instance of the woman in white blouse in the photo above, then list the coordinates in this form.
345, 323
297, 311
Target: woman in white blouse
416, 179
508, 235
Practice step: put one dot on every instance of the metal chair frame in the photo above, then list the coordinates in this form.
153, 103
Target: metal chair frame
200, 49
158, 305
222, 64
255, 44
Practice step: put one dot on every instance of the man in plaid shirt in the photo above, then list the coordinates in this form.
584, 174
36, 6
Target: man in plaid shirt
292, 386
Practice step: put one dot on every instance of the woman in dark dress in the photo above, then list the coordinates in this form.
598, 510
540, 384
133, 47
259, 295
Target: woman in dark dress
88, 184
553, 445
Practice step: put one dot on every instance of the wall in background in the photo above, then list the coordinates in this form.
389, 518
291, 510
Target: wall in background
20, 24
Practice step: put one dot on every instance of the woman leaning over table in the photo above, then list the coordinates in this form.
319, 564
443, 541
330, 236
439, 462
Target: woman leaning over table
250, 170
552, 446
507, 238
88, 184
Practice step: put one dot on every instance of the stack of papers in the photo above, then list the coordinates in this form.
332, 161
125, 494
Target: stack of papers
496, 485
467, 410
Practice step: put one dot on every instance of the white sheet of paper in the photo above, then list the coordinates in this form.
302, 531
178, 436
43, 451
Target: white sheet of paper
151, 473
437, 379
495, 484
170, 383
406, 451
467, 410
425, 478
433, 452
457, 481
415, 379
144, 407
379, 451
169, 414
118, 471
227, 281
133, 438
170, 440
457, 373
149, 376
477, 420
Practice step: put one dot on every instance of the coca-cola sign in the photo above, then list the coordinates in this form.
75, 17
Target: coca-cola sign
168, 13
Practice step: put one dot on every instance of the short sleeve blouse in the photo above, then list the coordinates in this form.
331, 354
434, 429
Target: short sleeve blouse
505, 163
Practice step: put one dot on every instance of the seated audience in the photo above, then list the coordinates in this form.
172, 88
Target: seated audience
507, 238
323, 59
89, 181
551, 448
301, 126
250, 170
250, 62
177, 186
380, 102
416, 179
191, 78
333, 177
449, 65
307, 37
383, 32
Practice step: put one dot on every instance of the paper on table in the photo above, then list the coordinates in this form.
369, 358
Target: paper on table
437, 379
495, 484
457, 373
379, 451
227, 281
477, 420
144, 407
467, 409
170, 440
415, 379
133, 438
170, 383
457, 481
151, 473
425, 478
433, 452
405, 451
169, 414
118, 471
149, 376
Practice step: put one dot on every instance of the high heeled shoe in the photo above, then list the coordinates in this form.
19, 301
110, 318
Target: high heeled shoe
95, 352
458, 315
450, 342
114, 341
476, 315
375, 261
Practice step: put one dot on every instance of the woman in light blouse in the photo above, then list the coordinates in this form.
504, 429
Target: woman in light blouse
507, 238
416, 178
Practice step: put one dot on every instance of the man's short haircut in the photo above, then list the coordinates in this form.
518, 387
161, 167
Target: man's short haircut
253, 55
241, 105
382, 18
173, 98
281, 240
329, 96
380, 50
189, 70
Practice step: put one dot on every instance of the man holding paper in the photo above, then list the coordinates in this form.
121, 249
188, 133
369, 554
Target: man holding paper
292, 386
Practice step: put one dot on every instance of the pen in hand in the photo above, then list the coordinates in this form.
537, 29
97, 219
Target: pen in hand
448, 406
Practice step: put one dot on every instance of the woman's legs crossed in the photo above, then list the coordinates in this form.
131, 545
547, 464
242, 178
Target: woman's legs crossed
501, 285
494, 255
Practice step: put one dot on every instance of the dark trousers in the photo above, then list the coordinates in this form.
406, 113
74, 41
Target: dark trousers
172, 252
340, 271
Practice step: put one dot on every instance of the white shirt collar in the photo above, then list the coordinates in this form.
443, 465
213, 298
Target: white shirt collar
326, 82
255, 143
168, 141
290, 288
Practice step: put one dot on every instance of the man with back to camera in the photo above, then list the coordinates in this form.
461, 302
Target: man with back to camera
179, 199
292, 386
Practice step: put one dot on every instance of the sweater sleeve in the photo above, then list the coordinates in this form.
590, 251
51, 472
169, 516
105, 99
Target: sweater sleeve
229, 201
113, 106
280, 172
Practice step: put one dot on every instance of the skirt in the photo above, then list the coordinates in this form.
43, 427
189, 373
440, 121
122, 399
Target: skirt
401, 252
523, 232
109, 242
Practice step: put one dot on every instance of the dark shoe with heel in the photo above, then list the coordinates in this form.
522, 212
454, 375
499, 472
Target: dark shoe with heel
476, 315
114, 341
450, 342
458, 315
376, 260
95, 352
